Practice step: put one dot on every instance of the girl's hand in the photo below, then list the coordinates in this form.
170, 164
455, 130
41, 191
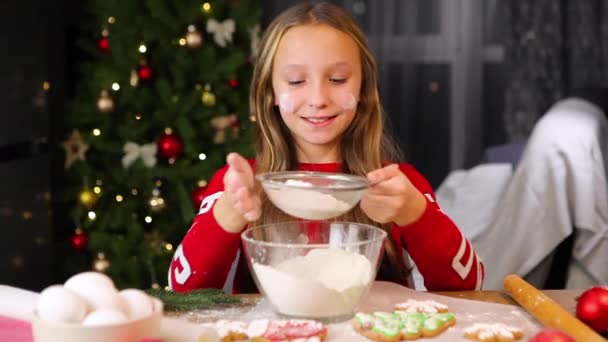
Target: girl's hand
240, 203
392, 197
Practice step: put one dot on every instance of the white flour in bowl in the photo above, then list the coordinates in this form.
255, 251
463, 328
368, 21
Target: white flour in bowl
307, 203
324, 283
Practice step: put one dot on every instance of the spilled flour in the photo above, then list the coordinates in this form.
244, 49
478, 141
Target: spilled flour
324, 283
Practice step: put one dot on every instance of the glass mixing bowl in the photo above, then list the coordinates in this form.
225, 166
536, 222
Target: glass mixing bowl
314, 269
313, 195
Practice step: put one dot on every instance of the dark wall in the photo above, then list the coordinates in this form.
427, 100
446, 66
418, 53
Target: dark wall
31, 36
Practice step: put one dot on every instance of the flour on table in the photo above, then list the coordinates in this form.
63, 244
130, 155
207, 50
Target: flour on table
324, 283
307, 203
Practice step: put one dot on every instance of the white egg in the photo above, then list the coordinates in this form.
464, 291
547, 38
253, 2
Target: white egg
59, 304
87, 278
96, 291
137, 303
104, 317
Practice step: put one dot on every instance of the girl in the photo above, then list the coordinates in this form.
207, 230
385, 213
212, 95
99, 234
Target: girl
316, 104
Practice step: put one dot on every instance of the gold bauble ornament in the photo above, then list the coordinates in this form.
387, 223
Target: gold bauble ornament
105, 102
101, 264
194, 39
208, 97
87, 198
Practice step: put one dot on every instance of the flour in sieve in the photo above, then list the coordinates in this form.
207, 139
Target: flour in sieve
307, 203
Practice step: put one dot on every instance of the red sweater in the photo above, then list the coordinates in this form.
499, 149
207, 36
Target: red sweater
444, 257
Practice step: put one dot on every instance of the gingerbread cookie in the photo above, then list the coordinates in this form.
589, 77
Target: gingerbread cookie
490, 332
401, 325
423, 306
264, 330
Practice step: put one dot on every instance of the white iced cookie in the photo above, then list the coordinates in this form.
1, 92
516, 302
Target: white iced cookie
493, 332
59, 304
422, 306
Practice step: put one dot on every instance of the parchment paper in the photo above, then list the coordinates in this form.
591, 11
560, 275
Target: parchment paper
382, 297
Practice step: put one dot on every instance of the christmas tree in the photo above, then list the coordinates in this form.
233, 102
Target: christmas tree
161, 100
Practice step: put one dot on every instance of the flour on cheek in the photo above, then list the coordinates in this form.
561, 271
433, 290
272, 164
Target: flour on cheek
286, 103
346, 101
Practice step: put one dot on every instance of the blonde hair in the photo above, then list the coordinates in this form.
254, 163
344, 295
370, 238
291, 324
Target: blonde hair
365, 146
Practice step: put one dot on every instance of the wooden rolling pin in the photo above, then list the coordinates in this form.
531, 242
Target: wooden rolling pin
547, 310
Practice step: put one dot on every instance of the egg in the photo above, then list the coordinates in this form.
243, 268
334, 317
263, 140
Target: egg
87, 278
137, 304
97, 289
104, 317
59, 304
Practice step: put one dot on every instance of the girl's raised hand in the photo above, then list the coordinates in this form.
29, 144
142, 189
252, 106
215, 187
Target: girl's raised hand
240, 203
392, 197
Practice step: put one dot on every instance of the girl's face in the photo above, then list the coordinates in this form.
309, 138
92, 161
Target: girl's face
316, 78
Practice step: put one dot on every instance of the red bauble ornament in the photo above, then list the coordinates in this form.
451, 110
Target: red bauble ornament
233, 83
592, 308
79, 240
104, 44
197, 196
551, 335
169, 145
144, 72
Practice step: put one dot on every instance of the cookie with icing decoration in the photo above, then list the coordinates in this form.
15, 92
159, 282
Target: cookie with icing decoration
487, 332
265, 330
400, 325
422, 306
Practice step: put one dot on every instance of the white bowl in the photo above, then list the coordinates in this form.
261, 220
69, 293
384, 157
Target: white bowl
132, 331
313, 195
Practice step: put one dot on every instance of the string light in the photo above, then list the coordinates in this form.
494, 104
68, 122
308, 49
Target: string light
97, 190
119, 198
115, 86
182, 41
134, 192
202, 156
148, 219
206, 7
46, 85
96, 132
111, 20
169, 247
143, 48
137, 116
92, 215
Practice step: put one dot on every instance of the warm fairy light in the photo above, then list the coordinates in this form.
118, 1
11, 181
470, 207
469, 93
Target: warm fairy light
27, 215
206, 7
97, 190
92, 215
134, 192
96, 132
111, 20
182, 41
169, 247
119, 198
148, 219
143, 48
137, 116
46, 85
202, 156
115, 86
202, 182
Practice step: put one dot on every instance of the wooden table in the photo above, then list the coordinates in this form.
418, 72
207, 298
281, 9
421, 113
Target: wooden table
565, 298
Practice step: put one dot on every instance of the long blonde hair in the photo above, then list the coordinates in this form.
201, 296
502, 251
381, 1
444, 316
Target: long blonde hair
365, 145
